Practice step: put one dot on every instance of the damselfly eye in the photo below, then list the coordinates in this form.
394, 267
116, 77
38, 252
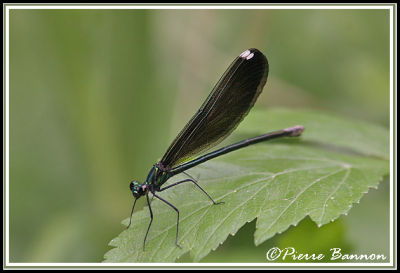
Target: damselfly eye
135, 186
138, 189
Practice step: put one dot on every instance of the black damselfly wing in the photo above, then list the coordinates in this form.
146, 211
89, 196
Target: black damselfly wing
229, 102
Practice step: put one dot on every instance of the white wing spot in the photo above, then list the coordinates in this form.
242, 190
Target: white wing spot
245, 54
250, 56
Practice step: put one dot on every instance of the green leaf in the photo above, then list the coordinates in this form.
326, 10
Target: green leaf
280, 182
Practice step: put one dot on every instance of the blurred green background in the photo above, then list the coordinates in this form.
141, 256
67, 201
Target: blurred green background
96, 97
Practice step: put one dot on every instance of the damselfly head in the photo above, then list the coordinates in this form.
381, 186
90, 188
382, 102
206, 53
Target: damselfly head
138, 189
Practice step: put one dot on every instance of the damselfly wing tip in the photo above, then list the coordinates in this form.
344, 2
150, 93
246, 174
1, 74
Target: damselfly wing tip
244, 54
248, 54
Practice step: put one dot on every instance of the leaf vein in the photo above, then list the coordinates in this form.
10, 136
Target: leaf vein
298, 195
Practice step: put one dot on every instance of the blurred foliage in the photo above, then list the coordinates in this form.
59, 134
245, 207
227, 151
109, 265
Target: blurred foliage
96, 96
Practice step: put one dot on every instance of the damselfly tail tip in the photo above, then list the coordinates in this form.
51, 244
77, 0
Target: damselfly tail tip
295, 130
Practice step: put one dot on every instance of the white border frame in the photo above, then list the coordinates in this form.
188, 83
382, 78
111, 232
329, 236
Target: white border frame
9, 7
